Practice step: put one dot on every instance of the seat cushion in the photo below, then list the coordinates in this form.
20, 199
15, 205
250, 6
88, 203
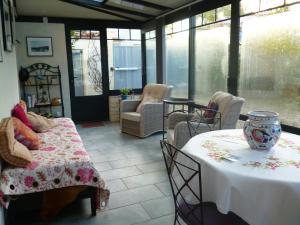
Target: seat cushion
170, 136
133, 116
152, 93
12, 151
39, 123
223, 100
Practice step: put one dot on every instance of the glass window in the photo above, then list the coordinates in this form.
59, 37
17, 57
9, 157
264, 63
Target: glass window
95, 34
177, 27
151, 58
291, 1
168, 29
125, 66
211, 60
249, 6
224, 12
75, 33
199, 20
135, 34
86, 58
185, 24
270, 63
209, 17
112, 33
176, 63
86, 34
124, 34
267, 4
152, 34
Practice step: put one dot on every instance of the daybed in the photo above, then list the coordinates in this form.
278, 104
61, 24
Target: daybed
60, 162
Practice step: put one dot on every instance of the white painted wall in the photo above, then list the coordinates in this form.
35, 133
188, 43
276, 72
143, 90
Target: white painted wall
9, 85
57, 32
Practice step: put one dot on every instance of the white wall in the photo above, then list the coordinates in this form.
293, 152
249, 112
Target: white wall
57, 32
9, 85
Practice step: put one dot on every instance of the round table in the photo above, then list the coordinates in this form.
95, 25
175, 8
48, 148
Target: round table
262, 187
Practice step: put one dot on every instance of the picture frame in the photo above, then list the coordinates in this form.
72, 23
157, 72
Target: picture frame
39, 46
6, 17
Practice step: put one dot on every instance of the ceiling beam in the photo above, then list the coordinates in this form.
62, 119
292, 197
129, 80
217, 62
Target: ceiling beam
99, 10
103, 5
128, 11
149, 4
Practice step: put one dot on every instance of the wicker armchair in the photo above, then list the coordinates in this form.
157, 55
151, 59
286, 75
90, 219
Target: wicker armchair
183, 126
144, 117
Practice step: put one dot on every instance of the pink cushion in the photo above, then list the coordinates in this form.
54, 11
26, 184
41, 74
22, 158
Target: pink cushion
212, 110
19, 112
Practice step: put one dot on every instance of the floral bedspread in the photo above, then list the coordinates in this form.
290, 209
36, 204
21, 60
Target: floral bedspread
61, 161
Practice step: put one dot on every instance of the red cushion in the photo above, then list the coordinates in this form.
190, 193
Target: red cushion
209, 113
19, 112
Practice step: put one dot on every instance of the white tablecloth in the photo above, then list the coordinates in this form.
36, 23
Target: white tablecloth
262, 187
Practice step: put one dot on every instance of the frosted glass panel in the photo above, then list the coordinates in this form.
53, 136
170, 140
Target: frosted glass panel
270, 64
211, 60
151, 60
176, 62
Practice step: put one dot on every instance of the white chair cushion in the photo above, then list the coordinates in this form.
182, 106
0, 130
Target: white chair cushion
170, 136
133, 116
152, 93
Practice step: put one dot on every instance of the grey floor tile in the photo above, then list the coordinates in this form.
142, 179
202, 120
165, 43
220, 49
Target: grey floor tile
164, 220
131, 162
132, 196
116, 185
103, 166
145, 179
159, 207
120, 173
152, 167
122, 216
165, 188
100, 157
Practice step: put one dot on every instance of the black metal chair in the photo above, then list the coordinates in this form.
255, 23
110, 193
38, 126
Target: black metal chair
181, 177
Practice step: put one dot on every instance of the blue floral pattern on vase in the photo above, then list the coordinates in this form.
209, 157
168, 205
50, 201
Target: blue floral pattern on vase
262, 130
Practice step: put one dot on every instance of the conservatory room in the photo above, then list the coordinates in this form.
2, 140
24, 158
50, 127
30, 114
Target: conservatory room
149, 112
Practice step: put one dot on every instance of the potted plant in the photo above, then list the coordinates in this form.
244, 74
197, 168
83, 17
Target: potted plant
124, 93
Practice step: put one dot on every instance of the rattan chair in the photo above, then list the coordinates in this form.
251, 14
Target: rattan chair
144, 117
179, 130
183, 171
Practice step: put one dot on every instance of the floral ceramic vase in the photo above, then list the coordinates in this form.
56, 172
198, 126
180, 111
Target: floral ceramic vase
262, 129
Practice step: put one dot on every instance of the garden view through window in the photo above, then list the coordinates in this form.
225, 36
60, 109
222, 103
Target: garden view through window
270, 59
212, 40
124, 58
86, 58
177, 57
151, 56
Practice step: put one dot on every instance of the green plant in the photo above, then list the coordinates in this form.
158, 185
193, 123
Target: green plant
124, 91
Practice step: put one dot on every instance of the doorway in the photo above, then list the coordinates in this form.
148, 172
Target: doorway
87, 74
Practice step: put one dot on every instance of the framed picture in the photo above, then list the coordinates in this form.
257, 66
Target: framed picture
39, 46
6, 16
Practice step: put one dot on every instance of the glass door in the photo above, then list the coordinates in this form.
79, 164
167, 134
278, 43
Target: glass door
88, 95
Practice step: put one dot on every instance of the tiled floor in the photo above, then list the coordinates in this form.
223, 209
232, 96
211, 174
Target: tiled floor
135, 173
